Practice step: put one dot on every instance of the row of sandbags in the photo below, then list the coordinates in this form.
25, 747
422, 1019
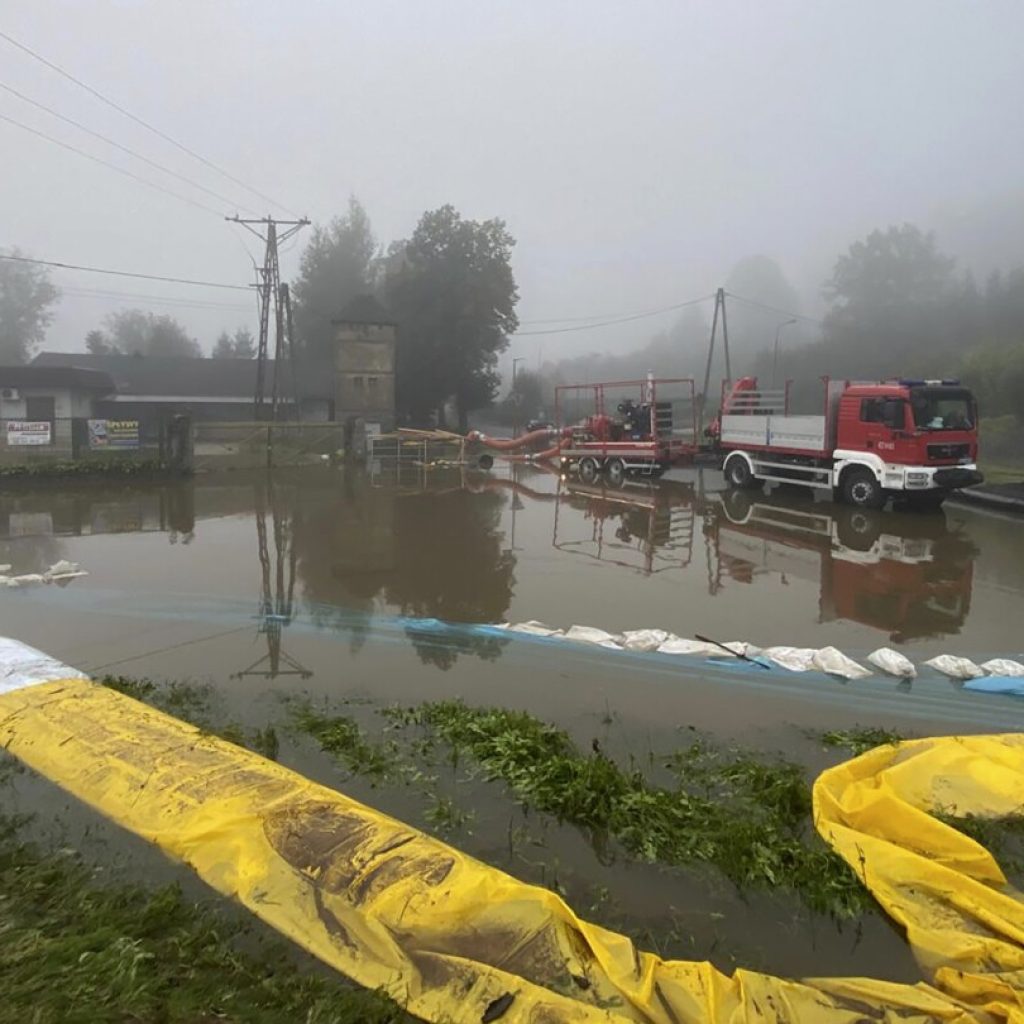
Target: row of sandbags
59, 572
829, 660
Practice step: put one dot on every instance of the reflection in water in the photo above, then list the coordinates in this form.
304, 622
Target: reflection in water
277, 594
434, 555
346, 548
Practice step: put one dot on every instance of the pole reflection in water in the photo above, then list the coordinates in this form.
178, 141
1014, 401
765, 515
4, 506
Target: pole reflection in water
277, 598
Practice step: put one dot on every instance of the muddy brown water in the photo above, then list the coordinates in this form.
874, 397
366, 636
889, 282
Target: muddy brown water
326, 581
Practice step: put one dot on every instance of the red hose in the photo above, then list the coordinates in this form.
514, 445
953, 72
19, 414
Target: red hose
510, 444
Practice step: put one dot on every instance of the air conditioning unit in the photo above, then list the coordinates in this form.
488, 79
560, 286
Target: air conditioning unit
10, 394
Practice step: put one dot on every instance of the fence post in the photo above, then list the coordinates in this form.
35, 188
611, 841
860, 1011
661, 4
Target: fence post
270, 445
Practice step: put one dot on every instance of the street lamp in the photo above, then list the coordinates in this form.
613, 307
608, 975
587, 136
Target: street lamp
775, 358
515, 397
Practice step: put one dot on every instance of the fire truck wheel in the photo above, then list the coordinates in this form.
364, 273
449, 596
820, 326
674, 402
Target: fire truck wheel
588, 470
615, 470
861, 488
738, 474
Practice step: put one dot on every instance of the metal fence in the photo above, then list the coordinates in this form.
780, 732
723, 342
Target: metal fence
254, 445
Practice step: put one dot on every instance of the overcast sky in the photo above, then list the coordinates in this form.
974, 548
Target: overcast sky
636, 151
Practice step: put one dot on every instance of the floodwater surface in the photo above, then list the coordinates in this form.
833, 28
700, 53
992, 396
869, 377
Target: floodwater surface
359, 590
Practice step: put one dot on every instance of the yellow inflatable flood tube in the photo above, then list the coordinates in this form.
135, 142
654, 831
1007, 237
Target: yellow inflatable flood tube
455, 940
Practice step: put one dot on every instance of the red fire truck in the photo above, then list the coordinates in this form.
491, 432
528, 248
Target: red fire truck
915, 440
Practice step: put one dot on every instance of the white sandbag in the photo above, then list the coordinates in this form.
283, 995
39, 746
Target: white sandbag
695, 648
592, 635
534, 628
26, 578
643, 639
740, 647
5, 568
62, 568
833, 662
955, 668
1003, 667
796, 659
893, 663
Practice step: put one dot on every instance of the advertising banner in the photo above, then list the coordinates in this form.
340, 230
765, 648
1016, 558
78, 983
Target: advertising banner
21, 433
113, 433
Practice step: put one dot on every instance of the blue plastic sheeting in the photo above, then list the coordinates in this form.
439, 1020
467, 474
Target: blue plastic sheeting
1013, 685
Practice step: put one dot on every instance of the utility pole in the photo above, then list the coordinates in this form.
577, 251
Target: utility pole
719, 305
271, 293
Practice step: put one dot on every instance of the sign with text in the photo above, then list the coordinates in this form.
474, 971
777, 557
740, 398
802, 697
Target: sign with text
21, 433
113, 433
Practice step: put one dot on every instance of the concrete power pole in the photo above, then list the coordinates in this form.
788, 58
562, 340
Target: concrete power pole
719, 307
270, 293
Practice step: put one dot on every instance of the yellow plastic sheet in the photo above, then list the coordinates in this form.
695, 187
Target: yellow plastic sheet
455, 940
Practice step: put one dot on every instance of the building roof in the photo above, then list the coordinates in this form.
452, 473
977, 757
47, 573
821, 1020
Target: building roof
364, 309
56, 376
179, 376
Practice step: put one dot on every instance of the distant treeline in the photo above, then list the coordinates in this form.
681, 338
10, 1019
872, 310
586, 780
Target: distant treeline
897, 307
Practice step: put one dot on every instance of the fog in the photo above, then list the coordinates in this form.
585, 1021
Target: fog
637, 152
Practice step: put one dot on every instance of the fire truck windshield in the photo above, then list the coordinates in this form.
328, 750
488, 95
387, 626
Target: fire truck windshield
942, 409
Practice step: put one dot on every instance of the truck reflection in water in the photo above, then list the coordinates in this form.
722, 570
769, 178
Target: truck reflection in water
909, 576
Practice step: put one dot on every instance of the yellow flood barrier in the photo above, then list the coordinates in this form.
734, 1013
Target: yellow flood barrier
455, 940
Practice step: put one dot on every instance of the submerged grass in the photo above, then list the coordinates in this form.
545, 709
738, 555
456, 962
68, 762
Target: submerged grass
859, 739
748, 817
71, 951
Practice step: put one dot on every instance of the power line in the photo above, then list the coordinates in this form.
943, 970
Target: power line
138, 120
124, 149
125, 273
107, 163
773, 309
163, 300
617, 320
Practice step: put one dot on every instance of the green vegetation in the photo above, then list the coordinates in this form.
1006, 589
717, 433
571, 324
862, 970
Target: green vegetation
342, 738
71, 951
748, 817
859, 739
90, 467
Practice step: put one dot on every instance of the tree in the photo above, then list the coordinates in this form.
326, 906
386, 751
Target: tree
453, 291
239, 346
336, 266
27, 296
900, 266
96, 342
761, 280
134, 332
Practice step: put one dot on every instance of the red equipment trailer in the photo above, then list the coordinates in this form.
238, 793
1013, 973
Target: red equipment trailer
633, 427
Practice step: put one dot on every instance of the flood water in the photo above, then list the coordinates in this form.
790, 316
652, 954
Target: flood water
325, 581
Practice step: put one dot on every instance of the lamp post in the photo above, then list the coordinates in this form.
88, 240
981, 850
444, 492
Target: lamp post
515, 364
775, 358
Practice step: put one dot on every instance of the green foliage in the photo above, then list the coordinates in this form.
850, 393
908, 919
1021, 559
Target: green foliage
748, 817
452, 289
75, 952
860, 738
135, 332
108, 467
336, 267
342, 738
27, 296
